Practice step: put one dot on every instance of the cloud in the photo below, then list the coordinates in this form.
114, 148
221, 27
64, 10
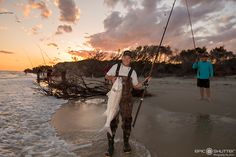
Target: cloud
1, 1
202, 10
53, 45
225, 36
113, 20
54, 60
126, 3
4, 11
145, 25
69, 12
35, 29
80, 53
6, 52
41, 5
131, 29
84, 54
63, 29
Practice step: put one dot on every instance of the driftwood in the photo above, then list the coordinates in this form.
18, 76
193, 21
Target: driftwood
78, 87
83, 88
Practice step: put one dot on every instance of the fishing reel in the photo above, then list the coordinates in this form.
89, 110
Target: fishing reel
145, 84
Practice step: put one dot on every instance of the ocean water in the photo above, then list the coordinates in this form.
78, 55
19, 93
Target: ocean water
25, 115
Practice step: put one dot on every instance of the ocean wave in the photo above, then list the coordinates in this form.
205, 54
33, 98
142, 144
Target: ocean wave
24, 120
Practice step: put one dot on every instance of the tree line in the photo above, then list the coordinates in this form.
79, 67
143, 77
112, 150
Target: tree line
169, 62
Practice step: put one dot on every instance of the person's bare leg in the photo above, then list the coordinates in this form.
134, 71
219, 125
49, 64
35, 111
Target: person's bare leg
208, 93
202, 93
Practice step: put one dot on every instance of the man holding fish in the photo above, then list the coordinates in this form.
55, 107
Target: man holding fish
121, 73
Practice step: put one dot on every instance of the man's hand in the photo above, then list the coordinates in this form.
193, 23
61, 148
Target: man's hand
140, 84
111, 78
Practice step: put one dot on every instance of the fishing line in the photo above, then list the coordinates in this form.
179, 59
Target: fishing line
28, 57
41, 53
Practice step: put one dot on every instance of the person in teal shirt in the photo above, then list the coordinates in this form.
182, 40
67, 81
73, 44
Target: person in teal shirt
204, 73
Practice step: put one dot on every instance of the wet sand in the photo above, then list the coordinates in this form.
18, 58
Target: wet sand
174, 122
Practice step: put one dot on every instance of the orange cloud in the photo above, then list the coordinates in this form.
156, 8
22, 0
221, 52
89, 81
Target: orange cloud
45, 12
53, 44
80, 53
35, 29
54, 61
3, 10
85, 54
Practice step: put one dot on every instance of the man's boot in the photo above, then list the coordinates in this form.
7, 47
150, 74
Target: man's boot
110, 149
127, 147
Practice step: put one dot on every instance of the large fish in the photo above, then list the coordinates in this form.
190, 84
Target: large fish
114, 96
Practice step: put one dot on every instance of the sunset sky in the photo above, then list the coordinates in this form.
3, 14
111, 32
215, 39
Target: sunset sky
60, 29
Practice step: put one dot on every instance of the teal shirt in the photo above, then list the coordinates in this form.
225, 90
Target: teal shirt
204, 69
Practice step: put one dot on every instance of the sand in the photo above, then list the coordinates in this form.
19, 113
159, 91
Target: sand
173, 122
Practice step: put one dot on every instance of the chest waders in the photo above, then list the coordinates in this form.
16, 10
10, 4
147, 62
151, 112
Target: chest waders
126, 106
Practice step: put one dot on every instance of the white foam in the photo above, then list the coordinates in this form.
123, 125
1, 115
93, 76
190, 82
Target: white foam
24, 120
95, 101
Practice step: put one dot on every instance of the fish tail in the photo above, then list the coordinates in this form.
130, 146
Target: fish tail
107, 129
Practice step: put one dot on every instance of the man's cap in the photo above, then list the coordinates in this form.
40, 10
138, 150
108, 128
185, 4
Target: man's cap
127, 53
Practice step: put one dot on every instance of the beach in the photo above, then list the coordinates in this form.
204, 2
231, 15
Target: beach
173, 122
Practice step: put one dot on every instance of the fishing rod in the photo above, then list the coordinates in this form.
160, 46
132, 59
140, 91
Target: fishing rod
153, 63
191, 26
190, 22
47, 55
28, 58
41, 53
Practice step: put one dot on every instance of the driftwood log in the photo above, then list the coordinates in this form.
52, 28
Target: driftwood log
77, 87
69, 89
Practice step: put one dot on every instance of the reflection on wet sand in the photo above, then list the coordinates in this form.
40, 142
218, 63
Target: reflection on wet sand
158, 131
203, 130
169, 123
79, 123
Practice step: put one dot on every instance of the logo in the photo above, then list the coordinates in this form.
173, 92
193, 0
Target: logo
216, 152
209, 151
